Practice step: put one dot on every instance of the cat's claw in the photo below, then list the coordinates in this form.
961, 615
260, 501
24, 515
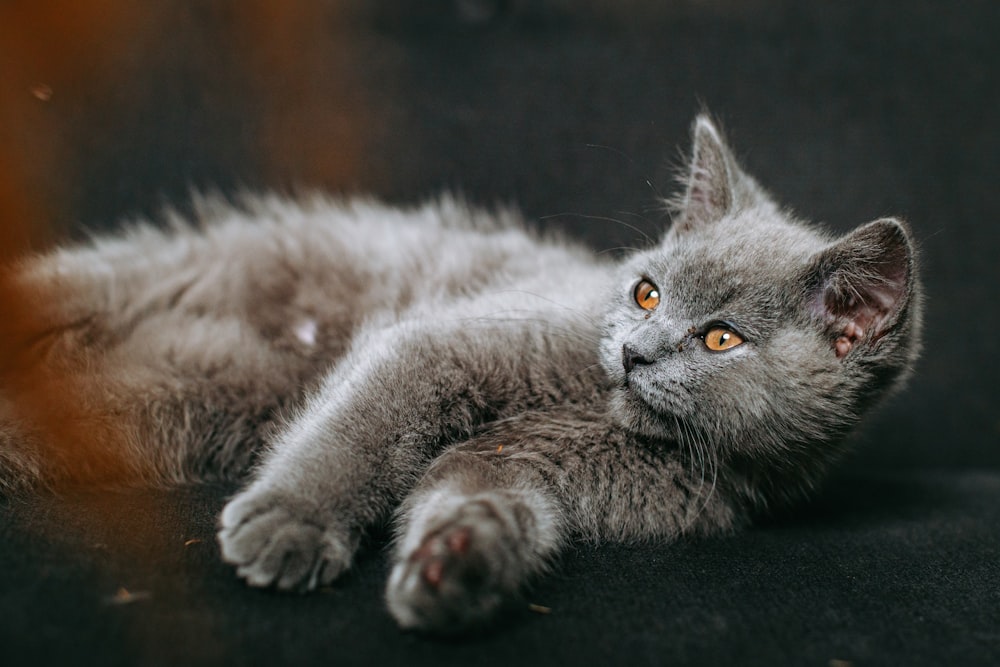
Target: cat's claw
275, 540
460, 575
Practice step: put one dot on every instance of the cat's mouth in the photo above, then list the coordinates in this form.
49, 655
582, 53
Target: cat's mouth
644, 408
663, 397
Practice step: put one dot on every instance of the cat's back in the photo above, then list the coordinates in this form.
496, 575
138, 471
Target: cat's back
436, 255
309, 270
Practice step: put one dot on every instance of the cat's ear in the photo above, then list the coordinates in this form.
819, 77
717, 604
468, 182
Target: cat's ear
712, 180
862, 284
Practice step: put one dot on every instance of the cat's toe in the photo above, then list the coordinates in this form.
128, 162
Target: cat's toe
277, 541
454, 580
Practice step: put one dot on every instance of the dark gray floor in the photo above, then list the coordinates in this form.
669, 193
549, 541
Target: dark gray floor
881, 570
847, 111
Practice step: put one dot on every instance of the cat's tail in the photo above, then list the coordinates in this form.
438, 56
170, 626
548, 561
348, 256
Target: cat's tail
19, 466
93, 432
57, 445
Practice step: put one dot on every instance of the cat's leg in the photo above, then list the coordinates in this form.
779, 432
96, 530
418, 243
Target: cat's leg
362, 441
491, 513
477, 528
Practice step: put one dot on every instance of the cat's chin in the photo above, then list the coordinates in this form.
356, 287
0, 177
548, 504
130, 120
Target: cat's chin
632, 411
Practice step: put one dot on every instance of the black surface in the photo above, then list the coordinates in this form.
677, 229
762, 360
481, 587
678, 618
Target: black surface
887, 569
847, 111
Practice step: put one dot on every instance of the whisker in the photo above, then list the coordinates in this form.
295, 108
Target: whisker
545, 299
625, 248
713, 458
646, 178
605, 218
655, 225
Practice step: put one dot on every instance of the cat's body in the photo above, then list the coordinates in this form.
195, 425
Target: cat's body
501, 392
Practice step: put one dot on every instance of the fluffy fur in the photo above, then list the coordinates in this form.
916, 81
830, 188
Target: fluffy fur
496, 392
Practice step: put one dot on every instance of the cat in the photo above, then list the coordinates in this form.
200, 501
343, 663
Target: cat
492, 392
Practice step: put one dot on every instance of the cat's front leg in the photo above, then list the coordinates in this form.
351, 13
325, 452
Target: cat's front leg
278, 538
492, 512
297, 525
474, 532
363, 440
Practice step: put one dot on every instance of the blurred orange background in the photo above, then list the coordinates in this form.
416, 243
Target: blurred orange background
70, 67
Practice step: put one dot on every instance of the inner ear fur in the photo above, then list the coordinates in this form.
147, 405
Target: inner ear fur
714, 183
711, 179
862, 282
709, 191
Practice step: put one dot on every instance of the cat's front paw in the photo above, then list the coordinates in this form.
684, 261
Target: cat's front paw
275, 539
463, 571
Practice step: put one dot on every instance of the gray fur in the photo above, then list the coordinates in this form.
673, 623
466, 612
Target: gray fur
442, 366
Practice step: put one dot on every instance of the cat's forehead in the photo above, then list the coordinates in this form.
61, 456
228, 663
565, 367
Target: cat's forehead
737, 259
742, 245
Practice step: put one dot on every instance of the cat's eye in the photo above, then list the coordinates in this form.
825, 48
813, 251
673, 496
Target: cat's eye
647, 295
720, 339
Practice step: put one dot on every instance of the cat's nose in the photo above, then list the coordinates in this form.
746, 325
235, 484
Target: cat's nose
631, 358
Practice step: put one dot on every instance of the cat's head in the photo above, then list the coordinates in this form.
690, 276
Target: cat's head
754, 340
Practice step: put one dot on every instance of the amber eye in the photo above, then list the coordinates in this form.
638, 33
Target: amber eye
647, 295
719, 339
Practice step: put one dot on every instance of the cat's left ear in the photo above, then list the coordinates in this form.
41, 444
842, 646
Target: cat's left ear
715, 184
862, 285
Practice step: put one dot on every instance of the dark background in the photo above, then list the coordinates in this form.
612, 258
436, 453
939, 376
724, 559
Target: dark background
579, 113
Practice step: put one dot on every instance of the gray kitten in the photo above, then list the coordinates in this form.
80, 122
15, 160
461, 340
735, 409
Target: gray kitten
498, 393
